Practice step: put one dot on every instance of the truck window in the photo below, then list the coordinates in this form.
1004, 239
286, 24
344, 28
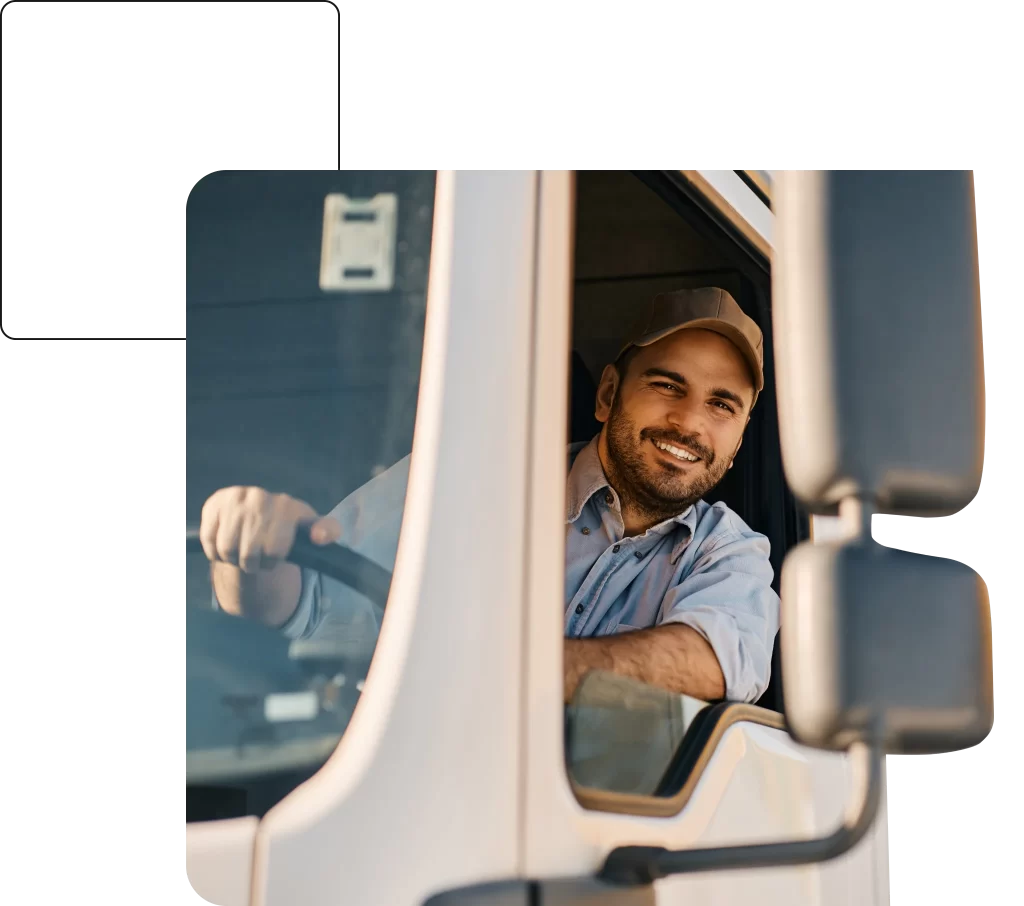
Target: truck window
638, 235
303, 362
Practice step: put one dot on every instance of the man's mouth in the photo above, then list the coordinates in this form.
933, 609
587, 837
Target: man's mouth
679, 453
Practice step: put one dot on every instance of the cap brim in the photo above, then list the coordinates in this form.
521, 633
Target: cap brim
711, 324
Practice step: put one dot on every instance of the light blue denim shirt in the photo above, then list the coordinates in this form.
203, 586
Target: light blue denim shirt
705, 568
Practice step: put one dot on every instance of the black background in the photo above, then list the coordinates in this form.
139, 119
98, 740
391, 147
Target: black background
111, 113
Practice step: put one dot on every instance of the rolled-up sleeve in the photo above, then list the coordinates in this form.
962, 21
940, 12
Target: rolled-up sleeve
727, 597
370, 519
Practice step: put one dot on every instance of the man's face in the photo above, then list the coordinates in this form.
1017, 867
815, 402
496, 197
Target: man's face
674, 422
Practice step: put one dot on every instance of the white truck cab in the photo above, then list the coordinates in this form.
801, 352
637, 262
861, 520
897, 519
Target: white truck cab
340, 322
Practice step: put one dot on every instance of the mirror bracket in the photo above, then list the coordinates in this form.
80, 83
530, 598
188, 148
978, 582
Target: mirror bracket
855, 515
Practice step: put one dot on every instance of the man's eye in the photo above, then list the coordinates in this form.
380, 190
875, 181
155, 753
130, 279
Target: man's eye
671, 387
722, 405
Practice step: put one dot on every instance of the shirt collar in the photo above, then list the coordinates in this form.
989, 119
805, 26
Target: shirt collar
586, 478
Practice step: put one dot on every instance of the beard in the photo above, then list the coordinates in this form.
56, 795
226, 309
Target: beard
656, 492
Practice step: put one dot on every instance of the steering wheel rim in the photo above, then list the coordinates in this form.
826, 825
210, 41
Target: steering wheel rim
336, 561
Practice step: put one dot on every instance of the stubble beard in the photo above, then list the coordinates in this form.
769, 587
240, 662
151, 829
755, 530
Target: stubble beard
655, 494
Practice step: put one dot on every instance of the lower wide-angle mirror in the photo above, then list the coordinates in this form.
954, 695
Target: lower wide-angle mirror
885, 646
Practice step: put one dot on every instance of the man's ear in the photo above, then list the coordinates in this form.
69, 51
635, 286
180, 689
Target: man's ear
606, 391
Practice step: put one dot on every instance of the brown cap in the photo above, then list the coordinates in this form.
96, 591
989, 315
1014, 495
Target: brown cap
710, 308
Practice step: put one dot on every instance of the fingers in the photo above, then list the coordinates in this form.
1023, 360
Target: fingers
325, 531
279, 535
208, 527
250, 540
254, 530
229, 526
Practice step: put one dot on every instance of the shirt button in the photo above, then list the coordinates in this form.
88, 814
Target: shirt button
609, 499
615, 549
585, 530
639, 555
579, 608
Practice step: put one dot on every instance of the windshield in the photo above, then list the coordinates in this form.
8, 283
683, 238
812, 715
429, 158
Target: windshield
306, 300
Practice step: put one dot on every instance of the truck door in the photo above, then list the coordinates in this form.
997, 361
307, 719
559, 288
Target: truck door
669, 771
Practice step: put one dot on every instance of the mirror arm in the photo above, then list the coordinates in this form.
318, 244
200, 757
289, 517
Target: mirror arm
636, 865
855, 513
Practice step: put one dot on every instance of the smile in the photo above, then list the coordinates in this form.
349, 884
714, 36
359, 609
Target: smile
677, 452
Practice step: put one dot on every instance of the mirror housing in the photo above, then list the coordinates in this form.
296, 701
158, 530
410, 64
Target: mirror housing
877, 332
875, 634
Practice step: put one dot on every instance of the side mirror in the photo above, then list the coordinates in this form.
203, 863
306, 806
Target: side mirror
877, 332
885, 645
877, 326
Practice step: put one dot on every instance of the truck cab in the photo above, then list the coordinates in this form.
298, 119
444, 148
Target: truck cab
453, 325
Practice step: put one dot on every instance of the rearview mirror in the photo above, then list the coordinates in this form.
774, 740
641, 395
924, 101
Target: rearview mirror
877, 326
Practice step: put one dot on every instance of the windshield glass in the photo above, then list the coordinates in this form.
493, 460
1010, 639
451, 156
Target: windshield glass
306, 300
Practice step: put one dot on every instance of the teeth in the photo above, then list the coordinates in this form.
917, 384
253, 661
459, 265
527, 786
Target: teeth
677, 452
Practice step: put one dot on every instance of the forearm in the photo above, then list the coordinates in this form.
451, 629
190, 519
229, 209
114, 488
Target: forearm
269, 596
674, 657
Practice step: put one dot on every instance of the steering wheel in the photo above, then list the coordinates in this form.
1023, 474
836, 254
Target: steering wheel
336, 561
234, 664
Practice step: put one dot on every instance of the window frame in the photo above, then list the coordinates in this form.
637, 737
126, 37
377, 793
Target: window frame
699, 198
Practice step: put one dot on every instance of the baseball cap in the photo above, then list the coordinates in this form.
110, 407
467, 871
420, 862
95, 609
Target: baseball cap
707, 307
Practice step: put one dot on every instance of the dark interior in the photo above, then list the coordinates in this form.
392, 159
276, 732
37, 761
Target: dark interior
638, 234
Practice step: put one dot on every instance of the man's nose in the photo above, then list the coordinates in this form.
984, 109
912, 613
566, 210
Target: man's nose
687, 418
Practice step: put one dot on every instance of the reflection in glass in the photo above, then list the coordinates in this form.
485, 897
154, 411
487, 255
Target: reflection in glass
621, 735
304, 386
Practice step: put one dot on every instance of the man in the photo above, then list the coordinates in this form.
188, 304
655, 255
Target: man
660, 586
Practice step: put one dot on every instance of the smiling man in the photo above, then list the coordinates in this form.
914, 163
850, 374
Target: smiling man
660, 586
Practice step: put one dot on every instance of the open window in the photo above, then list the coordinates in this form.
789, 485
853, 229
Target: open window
638, 234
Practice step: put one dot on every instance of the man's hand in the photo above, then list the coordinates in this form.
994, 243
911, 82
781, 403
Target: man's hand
672, 656
253, 529
246, 533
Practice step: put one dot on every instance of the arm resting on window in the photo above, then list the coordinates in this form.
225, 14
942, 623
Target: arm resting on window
673, 656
